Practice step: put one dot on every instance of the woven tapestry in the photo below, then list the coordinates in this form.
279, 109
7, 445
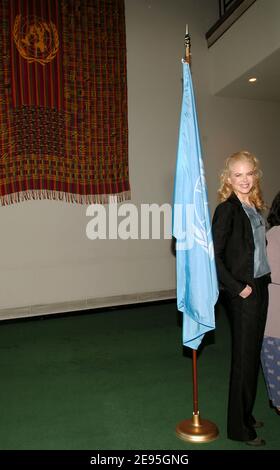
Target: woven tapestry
63, 101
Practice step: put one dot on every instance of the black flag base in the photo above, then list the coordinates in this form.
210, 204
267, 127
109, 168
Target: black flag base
197, 430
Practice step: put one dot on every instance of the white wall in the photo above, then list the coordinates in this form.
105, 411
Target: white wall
243, 124
255, 36
45, 255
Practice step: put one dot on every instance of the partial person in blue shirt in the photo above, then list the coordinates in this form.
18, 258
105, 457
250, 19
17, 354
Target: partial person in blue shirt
270, 355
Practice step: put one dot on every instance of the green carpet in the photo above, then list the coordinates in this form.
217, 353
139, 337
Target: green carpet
116, 379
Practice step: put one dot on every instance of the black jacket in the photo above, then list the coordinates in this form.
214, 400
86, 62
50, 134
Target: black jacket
234, 246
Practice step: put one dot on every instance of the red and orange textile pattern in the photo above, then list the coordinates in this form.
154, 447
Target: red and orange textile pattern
63, 101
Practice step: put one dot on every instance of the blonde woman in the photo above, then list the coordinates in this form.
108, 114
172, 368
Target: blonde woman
244, 275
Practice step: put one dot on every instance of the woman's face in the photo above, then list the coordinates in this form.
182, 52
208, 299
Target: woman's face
241, 177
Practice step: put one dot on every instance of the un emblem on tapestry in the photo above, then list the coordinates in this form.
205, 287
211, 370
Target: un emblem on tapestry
63, 101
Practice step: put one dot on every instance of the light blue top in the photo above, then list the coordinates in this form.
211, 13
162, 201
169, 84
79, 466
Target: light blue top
261, 266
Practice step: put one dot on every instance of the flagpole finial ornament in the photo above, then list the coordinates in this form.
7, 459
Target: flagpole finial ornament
187, 57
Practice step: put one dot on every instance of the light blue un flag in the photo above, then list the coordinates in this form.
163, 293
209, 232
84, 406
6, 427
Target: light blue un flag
197, 287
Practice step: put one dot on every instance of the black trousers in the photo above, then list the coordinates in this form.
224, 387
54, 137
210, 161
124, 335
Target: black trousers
248, 318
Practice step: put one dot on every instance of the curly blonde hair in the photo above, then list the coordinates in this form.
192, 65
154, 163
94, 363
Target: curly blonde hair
225, 190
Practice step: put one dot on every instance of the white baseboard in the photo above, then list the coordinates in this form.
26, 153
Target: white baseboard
86, 304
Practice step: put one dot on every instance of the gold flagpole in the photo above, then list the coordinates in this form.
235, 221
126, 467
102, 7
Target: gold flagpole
195, 430
187, 57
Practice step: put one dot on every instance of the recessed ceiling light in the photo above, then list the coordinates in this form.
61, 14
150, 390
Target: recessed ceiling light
252, 79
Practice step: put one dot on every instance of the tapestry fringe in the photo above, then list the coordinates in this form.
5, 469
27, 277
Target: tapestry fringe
64, 197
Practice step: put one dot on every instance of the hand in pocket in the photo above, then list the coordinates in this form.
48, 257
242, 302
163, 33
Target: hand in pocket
246, 292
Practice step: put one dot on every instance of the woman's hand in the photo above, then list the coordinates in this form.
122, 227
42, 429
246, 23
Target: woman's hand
246, 292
